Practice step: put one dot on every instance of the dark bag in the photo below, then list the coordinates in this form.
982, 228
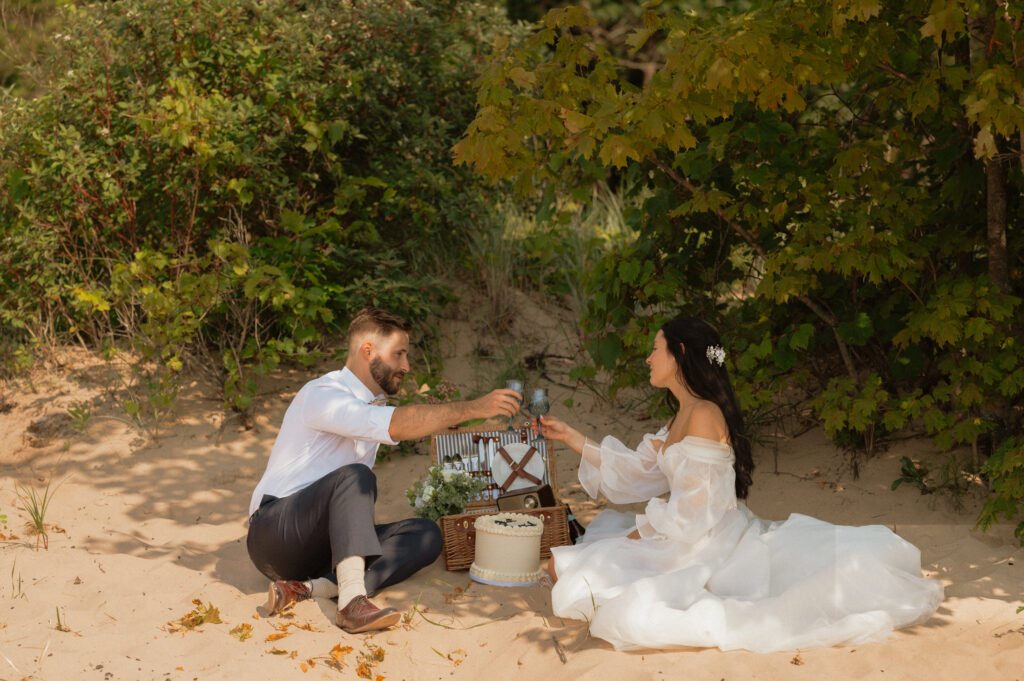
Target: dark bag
576, 529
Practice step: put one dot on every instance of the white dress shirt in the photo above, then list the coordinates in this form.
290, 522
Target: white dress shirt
330, 423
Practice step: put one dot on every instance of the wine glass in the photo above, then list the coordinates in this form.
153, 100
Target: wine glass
516, 385
539, 405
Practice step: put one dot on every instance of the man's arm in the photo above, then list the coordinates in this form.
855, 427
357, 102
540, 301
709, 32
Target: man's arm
419, 420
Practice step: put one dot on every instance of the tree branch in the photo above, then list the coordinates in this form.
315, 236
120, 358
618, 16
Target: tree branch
886, 67
826, 317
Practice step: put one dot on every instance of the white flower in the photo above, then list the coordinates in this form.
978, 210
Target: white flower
428, 492
716, 354
448, 474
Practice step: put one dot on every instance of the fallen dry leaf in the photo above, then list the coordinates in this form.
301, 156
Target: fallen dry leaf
369, 658
277, 636
338, 653
242, 631
797, 660
203, 614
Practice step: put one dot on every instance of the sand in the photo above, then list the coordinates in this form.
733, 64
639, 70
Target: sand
140, 527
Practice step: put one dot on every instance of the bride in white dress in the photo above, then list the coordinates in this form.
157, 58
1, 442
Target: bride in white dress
700, 569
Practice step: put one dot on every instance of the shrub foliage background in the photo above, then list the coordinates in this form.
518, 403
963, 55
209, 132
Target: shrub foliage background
235, 177
836, 183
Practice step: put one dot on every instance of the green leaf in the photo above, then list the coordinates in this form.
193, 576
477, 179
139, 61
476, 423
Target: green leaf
800, 338
946, 19
607, 350
617, 151
858, 330
629, 271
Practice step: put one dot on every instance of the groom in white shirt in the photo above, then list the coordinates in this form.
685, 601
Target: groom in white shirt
311, 516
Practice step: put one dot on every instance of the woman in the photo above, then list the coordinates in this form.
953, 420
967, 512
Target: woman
700, 569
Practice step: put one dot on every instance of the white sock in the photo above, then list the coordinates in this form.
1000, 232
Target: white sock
351, 582
321, 587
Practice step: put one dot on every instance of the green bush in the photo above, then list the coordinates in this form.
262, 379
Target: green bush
1005, 469
232, 179
828, 182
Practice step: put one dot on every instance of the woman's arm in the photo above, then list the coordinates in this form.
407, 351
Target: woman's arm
556, 429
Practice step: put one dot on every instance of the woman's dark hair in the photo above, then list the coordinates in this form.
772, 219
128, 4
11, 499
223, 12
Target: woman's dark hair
688, 339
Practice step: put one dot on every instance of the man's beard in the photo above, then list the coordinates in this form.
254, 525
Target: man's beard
389, 380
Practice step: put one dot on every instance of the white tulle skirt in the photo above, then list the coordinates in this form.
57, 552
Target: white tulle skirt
748, 583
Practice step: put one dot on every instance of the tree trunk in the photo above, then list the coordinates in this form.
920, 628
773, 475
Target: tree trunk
982, 26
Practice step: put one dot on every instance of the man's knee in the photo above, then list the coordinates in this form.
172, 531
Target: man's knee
433, 542
357, 475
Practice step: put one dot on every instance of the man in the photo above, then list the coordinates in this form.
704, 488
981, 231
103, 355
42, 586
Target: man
311, 515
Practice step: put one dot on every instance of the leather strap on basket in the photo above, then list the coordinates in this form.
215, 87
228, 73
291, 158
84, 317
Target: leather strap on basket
518, 469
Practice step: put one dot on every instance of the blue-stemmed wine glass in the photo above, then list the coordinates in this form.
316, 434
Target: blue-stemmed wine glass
513, 384
539, 406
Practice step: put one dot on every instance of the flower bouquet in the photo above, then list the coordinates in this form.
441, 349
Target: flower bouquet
446, 491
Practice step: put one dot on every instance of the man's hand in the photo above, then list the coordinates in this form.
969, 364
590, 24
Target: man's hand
500, 402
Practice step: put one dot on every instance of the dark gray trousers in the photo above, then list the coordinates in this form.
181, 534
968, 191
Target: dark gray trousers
306, 534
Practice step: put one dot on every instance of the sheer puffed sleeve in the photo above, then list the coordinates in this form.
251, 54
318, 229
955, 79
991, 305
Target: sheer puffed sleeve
702, 485
623, 475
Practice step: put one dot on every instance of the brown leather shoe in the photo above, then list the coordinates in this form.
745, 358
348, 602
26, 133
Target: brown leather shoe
285, 593
361, 615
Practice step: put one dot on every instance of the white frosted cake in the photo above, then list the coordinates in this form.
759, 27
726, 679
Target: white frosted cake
507, 551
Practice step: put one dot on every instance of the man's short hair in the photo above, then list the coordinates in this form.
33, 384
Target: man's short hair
377, 321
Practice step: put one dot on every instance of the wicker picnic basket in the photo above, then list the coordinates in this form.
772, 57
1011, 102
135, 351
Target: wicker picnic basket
460, 534
458, 531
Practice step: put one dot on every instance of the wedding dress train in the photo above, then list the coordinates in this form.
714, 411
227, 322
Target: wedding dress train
707, 572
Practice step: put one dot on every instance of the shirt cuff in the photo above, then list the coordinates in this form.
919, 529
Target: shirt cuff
380, 423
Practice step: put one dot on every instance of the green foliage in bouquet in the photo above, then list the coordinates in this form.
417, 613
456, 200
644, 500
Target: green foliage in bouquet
227, 181
444, 492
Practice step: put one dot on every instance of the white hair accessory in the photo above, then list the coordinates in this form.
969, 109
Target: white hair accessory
716, 354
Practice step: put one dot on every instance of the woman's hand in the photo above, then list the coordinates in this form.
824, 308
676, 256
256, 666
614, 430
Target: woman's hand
557, 429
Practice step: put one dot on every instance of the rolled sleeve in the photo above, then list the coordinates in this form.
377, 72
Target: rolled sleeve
341, 413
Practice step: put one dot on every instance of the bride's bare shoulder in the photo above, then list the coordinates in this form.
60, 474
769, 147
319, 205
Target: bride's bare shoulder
707, 421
